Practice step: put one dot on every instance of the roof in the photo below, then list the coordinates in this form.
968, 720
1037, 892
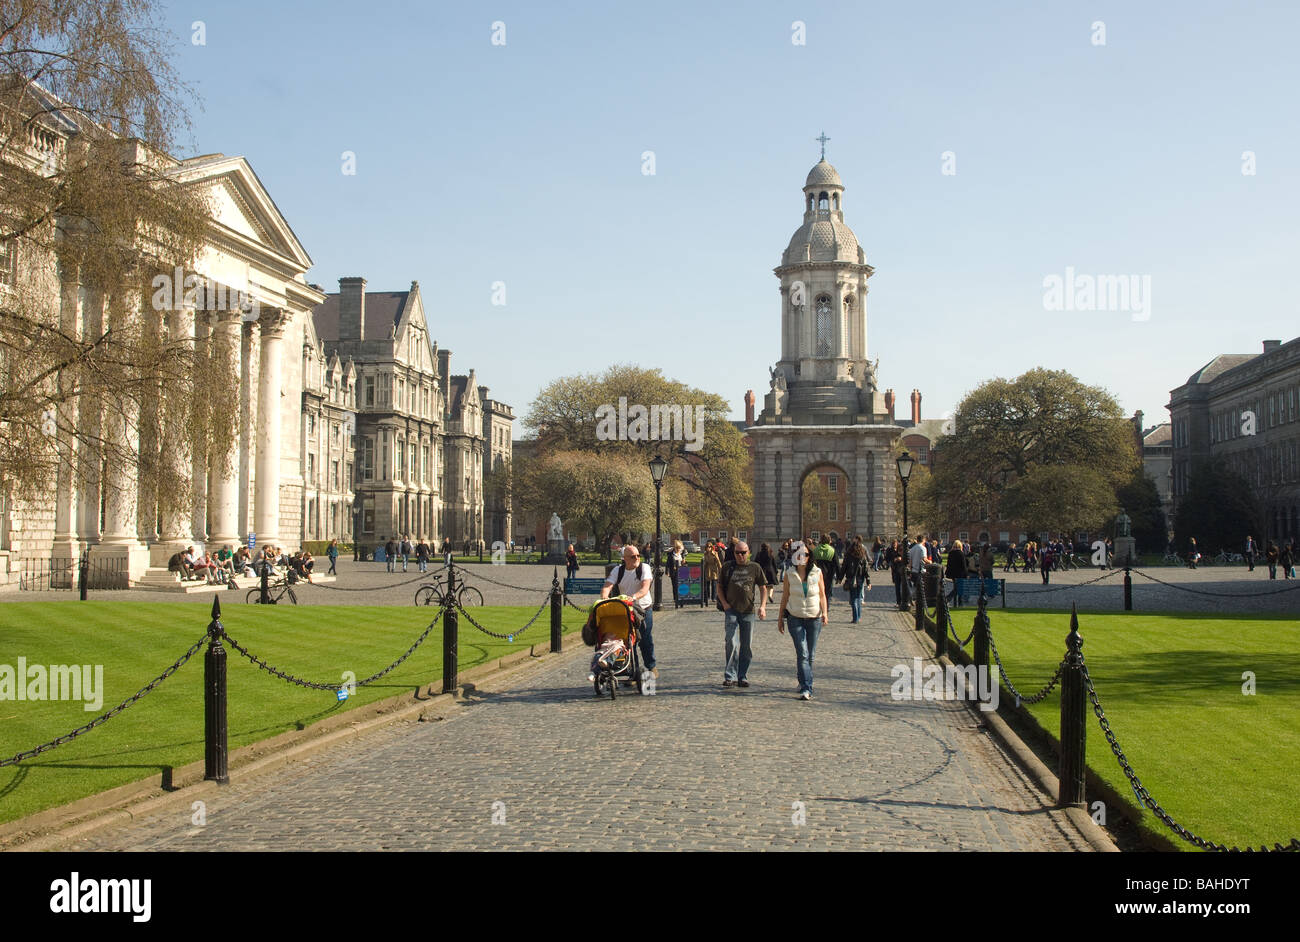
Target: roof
383, 310
1220, 364
823, 175
929, 428
822, 240
1160, 435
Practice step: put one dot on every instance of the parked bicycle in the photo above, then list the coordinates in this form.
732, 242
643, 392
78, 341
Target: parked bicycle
1228, 559
277, 591
1172, 559
435, 592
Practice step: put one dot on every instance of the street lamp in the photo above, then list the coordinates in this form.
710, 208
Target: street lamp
905, 462
657, 468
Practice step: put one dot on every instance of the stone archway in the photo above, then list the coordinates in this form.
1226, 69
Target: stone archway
826, 501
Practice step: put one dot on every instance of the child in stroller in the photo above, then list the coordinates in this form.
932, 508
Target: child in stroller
612, 630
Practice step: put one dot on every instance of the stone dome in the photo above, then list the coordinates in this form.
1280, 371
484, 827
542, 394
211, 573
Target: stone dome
823, 175
822, 240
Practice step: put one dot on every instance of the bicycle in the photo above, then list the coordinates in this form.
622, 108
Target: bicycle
1172, 559
1228, 559
276, 592
434, 593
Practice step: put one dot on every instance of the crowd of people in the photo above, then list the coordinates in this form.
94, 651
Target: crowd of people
221, 567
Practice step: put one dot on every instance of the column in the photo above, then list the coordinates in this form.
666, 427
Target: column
66, 544
199, 467
121, 478
89, 426
176, 533
223, 498
247, 351
266, 512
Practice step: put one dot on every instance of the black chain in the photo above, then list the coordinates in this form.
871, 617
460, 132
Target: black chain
105, 717
1064, 585
378, 588
315, 686
512, 635
478, 575
953, 630
1143, 796
569, 602
1221, 595
1047, 688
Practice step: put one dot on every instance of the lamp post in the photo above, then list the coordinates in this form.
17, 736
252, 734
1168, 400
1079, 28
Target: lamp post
657, 468
905, 462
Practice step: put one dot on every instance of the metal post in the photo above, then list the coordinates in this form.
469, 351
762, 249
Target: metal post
658, 530
1128, 586
920, 603
480, 551
904, 507
905, 587
265, 597
982, 634
83, 574
450, 627
1074, 728
941, 621
216, 752
557, 611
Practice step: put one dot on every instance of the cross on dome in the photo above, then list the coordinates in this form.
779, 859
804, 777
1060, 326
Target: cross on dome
823, 139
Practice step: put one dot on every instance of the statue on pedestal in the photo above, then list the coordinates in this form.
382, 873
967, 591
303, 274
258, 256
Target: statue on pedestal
556, 531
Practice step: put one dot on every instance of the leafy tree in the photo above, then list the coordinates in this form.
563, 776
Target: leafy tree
1219, 509
566, 416
1140, 499
89, 107
1060, 499
1007, 431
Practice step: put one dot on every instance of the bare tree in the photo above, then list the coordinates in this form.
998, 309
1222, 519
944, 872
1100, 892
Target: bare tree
97, 367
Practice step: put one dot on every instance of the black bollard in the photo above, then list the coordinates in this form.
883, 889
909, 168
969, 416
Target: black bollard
216, 751
1128, 586
982, 634
480, 551
941, 622
557, 612
450, 627
920, 603
1074, 728
83, 574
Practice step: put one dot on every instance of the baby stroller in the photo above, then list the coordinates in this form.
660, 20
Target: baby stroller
612, 630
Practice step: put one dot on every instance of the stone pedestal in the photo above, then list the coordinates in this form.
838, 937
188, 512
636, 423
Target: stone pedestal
1124, 546
555, 550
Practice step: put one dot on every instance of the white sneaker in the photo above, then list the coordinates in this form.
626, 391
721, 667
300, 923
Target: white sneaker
805, 695
591, 677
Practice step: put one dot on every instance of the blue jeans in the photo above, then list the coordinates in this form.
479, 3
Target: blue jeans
743, 654
804, 632
424, 564
405, 560
855, 601
389, 560
647, 643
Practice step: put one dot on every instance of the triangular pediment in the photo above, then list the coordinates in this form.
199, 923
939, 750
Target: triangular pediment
242, 207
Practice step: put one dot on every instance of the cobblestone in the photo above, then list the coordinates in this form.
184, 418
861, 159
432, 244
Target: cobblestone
692, 767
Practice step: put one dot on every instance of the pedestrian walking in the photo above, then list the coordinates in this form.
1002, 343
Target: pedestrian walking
857, 577
332, 552
1045, 563
633, 578
422, 554
408, 550
571, 562
1270, 557
957, 570
673, 562
824, 557
767, 562
1193, 553
709, 569
804, 606
1251, 549
1287, 558
738, 584
390, 554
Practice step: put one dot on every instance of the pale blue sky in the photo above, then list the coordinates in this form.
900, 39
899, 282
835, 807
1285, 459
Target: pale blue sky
522, 163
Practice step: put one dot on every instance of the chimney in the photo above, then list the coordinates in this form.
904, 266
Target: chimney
444, 372
889, 403
352, 308
1270, 345
749, 407
916, 407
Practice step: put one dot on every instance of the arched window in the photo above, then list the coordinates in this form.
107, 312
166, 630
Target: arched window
825, 326
835, 202
810, 202
822, 202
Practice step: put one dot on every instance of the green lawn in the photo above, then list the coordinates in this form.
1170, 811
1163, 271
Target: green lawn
136, 641
1221, 763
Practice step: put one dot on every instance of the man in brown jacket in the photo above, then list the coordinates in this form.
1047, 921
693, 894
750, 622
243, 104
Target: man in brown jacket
711, 568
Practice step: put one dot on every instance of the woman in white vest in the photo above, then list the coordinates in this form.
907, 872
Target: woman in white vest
803, 604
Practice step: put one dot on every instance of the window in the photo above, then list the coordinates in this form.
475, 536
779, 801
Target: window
740, 535
823, 348
8, 262
368, 459
334, 475
413, 465
832, 511
704, 537
383, 455
401, 460
722, 535
370, 390
833, 483
424, 465
311, 469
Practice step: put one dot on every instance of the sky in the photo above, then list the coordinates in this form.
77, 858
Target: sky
1151, 140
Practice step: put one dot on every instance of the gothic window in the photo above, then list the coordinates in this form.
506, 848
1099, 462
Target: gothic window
824, 327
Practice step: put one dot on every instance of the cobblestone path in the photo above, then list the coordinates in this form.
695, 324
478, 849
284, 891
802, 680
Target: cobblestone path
544, 764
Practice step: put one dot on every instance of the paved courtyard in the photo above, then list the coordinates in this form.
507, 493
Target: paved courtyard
541, 763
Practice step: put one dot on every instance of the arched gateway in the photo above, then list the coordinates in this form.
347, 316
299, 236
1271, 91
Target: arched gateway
823, 407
